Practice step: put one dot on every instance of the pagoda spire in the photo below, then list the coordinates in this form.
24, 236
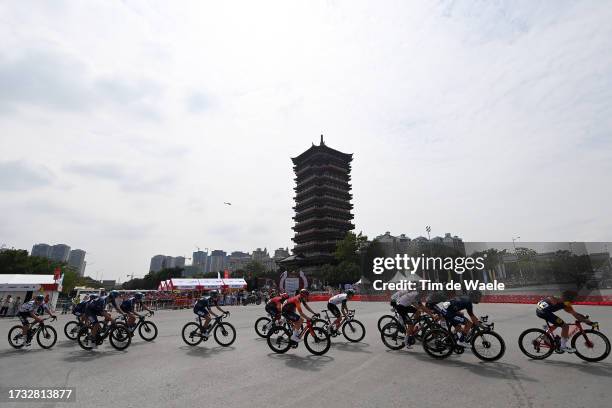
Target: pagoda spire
322, 142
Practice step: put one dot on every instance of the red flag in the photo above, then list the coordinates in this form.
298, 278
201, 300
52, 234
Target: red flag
226, 274
57, 273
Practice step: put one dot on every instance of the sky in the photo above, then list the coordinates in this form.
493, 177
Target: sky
124, 126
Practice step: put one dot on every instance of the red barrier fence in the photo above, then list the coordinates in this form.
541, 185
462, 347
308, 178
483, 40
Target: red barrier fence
505, 298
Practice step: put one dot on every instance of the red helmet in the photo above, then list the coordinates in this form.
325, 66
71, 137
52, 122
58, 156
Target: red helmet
304, 293
284, 296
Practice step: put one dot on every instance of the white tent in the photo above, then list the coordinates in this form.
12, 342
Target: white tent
18, 285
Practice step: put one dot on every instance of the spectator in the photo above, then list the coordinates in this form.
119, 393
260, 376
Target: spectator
8, 303
16, 306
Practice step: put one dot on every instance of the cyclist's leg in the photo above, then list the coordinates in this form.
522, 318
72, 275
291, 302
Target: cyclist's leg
334, 310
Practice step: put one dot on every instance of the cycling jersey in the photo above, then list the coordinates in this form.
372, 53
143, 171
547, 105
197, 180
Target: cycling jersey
339, 298
408, 298
461, 303
277, 300
128, 304
80, 307
96, 306
30, 306
289, 308
547, 307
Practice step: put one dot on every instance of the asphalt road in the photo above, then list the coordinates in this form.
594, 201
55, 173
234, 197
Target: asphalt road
168, 373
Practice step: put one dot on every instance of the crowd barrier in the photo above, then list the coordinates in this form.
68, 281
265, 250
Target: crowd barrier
505, 298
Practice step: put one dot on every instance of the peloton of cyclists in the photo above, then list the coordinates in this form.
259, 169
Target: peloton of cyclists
28, 310
547, 307
451, 311
203, 309
97, 307
332, 306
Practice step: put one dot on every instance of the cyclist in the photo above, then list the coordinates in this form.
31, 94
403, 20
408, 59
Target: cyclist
293, 305
332, 306
203, 308
408, 301
78, 310
451, 311
275, 305
127, 307
547, 307
28, 310
97, 307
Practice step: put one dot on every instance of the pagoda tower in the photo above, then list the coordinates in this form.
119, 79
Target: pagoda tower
322, 204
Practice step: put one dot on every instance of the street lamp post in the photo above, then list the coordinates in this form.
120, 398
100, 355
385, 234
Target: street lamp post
517, 260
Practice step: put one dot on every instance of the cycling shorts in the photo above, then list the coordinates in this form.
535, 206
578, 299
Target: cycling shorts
23, 316
201, 312
550, 317
403, 311
334, 309
272, 311
455, 318
291, 316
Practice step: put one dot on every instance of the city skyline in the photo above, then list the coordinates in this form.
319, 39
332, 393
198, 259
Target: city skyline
487, 119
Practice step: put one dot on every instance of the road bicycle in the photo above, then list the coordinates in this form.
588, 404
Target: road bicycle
485, 343
117, 332
224, 333
146, 329
263, 325
352, 329
393, 335
590, 344
72, 329
316, 339
386, 319
46, 336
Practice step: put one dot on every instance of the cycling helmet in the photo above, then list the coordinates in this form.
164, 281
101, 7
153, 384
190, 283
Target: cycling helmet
304, 292
39, 298
93, 296
284, 296
138, 296
214, 293
350, 292
475, 296
103, 292
569, 295
113, 294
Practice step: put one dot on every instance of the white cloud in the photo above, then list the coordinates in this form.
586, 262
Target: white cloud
486, 119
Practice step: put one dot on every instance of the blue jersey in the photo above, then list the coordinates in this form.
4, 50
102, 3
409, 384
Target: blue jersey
97, 306
461, 303
128, 304
80, 307
204, 303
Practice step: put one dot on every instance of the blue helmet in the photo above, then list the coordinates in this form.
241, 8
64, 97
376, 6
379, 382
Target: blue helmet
39, 298
113, 294
138, 296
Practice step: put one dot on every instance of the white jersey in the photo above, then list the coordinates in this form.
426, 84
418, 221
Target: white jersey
31, 306
408, 298
339, 298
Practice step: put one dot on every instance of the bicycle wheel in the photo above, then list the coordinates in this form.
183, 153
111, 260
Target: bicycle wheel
192, 334
393, 336
278, 339
591, 345
317, 342
438, 343
225, 334
46, 337
488, 346
536, 344
385, 320
16, 338
320, 323
120, 337
71, 330
261, 326
353, 331
148, 331
85, 338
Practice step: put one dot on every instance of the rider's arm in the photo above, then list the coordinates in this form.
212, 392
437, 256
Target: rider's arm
344, 308
580, 317
219, 308
308, 308
469, 309
298, 308
35, 316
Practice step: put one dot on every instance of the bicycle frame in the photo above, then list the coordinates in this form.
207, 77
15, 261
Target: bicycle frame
577, 328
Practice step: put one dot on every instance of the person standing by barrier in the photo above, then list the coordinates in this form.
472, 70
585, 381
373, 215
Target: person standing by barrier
8, 303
